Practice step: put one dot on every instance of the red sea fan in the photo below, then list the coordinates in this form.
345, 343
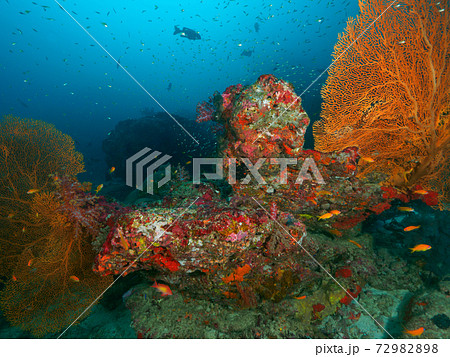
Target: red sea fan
206, 109
79, 206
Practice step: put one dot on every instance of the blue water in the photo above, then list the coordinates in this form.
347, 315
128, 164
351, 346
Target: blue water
52, 70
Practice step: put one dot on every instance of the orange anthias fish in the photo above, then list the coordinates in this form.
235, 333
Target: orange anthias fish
405, 209
421, 192
99, 187
74, 279
420, 248
300, 297
367, 159
355, 243
335, 212
123, 241
323, 192
163, 289
34, 190
336, 232
326, 215
416, 332
111, 170
411, 228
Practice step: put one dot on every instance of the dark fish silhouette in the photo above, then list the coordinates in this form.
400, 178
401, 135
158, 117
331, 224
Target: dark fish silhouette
170, 86
256, 27
188, 33
247, 53
21, 102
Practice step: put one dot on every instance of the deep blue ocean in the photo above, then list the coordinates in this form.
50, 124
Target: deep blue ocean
60, 66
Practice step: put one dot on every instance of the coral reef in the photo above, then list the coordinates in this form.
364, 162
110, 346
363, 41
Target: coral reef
279, 244
389, 93
213, 242
31, 152
53, 282
262, 242
47, 224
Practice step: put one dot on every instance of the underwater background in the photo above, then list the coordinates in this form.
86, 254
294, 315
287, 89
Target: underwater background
364, 255
55, 72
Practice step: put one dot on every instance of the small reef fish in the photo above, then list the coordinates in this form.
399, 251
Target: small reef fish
367, 159
421, 192
300, 297
336, 232
355, 243
335, 212
34, 190
326, 215
323, 192
111, 170
163, 289
405, 209
14, 278
411, 228
30, 262
99, 187
11, 215
74, 279
127, 294
416, 332
123, 241
420, 248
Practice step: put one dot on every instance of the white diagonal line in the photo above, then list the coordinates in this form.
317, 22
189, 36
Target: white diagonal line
139, 257
129, 74
326, 69
321, 266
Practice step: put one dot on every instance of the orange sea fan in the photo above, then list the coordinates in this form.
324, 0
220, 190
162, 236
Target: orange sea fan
31, 151
388, 92
41, 244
